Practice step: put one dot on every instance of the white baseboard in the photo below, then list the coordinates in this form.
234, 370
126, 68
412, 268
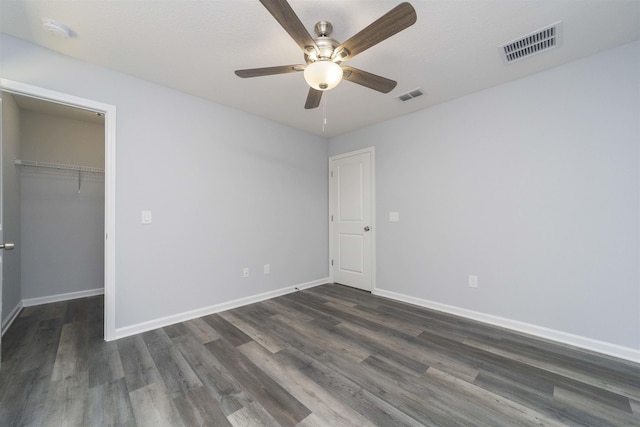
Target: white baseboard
6, 323
527, 328
205, 311
62, 297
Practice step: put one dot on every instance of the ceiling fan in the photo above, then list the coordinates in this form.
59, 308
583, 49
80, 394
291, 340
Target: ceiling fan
323, 55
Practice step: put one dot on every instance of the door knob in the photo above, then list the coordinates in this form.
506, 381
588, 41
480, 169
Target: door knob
367, 228
7, 246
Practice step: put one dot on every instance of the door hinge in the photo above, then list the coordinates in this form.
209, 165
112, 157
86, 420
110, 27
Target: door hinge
331, 174
331, 262
331, 218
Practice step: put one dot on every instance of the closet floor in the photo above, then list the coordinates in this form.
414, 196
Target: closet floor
326, 356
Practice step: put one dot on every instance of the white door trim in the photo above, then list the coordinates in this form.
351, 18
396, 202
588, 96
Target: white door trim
109, 112
372, 152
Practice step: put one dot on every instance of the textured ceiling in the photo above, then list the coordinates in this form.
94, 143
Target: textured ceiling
194, 46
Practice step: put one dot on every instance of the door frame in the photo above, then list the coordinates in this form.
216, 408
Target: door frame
372, 152
109, 112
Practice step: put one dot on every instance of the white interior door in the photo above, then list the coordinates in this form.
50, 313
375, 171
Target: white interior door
351, 219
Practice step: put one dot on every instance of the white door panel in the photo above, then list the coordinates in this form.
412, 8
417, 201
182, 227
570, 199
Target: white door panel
349, 180
351, 250
351, 214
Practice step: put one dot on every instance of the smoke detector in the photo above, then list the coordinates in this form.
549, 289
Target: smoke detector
55, 28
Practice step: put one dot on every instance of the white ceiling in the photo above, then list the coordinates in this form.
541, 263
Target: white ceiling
194, 46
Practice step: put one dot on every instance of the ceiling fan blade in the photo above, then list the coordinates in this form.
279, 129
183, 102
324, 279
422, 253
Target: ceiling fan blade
268, 71
392, 22
313, 99
288, 19
372, 81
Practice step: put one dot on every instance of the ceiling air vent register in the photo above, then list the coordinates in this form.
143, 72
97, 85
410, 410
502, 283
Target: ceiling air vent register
530, 44
410, 95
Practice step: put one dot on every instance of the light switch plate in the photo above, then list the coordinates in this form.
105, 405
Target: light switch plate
394, 216
146, 217
267, 268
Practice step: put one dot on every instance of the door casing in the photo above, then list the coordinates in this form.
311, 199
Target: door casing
109, 112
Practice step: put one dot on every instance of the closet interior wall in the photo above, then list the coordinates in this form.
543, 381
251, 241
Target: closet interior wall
62, 217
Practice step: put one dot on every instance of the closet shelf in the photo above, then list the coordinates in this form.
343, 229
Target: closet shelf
81, 170
58, 166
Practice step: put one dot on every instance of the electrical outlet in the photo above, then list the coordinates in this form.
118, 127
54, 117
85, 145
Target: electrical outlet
245, 272
473, 281
267, 268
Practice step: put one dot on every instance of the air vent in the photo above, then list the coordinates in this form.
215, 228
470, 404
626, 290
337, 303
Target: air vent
410, 95
536, 42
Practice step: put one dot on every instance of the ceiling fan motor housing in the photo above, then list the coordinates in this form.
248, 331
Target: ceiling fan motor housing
326, 45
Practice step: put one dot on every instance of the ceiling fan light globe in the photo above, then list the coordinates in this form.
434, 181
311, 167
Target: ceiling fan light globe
323, 75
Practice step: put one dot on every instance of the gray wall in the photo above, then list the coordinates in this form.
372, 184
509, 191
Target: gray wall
62, 230
533, 186
55, 139
11, 291
227, 190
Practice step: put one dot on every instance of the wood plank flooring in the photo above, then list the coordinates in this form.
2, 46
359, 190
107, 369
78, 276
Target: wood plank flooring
327, 356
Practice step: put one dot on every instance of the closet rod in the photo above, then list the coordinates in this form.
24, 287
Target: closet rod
58, 166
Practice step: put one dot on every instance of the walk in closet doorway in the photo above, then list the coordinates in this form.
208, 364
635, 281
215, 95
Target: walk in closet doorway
55, 201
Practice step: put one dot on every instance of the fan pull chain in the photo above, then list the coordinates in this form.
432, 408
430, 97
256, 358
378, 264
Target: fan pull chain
324, 111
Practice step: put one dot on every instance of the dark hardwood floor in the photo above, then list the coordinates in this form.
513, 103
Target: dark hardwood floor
326, 356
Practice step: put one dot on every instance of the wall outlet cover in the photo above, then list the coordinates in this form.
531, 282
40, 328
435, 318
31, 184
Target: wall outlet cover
147, 217
473, 281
